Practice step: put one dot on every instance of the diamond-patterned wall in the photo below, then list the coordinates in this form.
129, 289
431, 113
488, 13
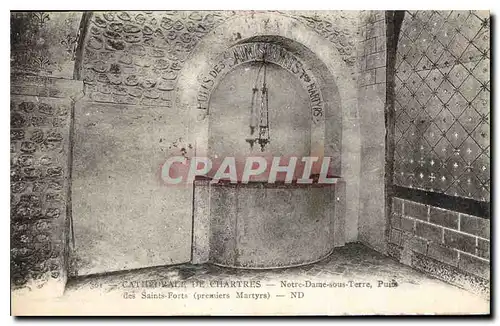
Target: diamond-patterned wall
442, 103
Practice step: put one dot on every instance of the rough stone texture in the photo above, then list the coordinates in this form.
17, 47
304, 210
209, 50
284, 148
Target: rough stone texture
42, 98
132, 60
416, 210
442, 103
201, 222
429, 231
474, 265
124, 215
44, 43
222, 225
371, 94
135, 57
452, 275
448, 235
152, 61
40, 131
136, 68
483, 248
408, 224
443, 254
444, 218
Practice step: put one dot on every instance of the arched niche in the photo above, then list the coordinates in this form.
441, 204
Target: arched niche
338, 88
297, 78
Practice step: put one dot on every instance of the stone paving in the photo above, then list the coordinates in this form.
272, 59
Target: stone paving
401, 290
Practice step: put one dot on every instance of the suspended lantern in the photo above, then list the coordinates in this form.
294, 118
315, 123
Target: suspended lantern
259, 112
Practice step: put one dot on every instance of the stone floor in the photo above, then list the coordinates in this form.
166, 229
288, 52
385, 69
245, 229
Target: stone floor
361, 281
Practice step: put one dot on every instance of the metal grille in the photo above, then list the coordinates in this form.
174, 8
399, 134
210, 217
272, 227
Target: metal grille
442, 103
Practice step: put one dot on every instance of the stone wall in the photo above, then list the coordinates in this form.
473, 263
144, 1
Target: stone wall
135, 57
442, 103
452, 246
288, 100
44, 43
130, 63
372, 101
137, 68
441, 146
42, 99
126, 127
244, 232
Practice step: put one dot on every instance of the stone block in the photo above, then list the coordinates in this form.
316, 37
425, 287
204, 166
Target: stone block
378, 15
460, 241
396, 221
394, 251
339, 214
417, 244
444, 217
367, 78
380, 75
375, 29
362, 63
370, 46
381, 42
397, 206
451, 274
375, 60
429, 232
483, 248
201, 219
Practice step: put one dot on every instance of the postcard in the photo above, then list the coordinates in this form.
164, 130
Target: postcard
225, 163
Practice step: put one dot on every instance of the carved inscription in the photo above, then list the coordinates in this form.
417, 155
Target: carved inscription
267, 52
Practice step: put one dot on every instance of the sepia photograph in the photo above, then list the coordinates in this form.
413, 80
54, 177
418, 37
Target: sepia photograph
250, 162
